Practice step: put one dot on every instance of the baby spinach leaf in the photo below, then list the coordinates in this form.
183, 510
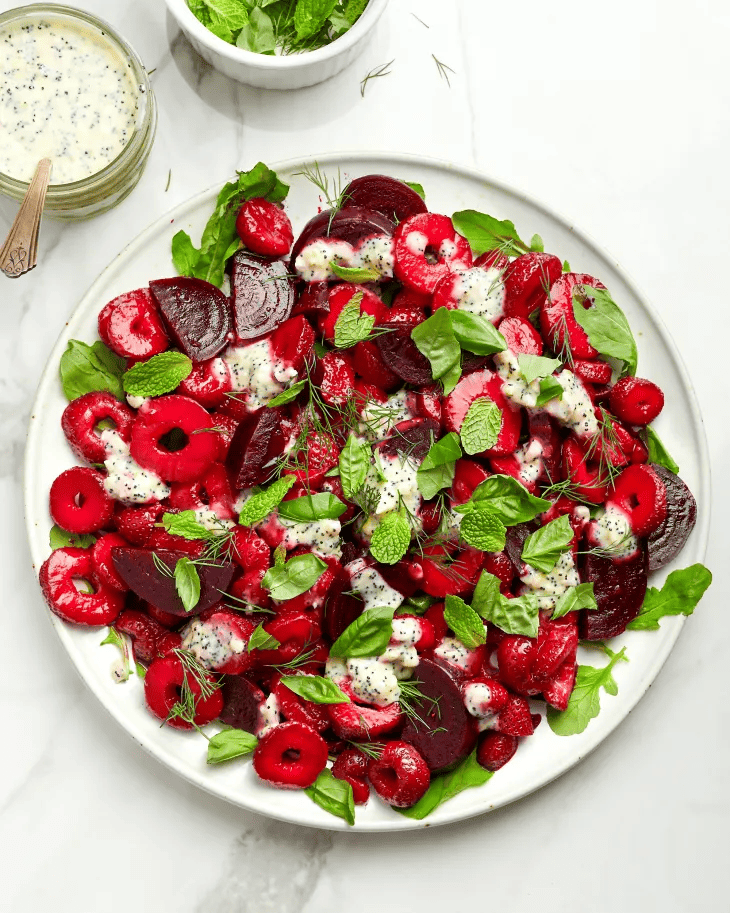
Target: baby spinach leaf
230, 743
543, 547
464, 622
585, 701
476, 334
333, 795
437, 468
86, 369
160, 374
310, 508
187, 583
296, 576
679, 595
606, 326
468, 774
315, 688
658, 453
368, 635
484, 232
262, 503
481, 426
390, 539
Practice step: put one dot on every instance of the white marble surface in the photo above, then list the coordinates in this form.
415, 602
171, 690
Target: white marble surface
617, 117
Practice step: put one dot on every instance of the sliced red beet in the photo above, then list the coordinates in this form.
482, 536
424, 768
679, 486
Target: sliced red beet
412, 437
619, 587
445, 733
241, 703
399, 351
668, 540
351, 223
139, 569
394, 198
255, 441
262, 294
197, 315
340, 608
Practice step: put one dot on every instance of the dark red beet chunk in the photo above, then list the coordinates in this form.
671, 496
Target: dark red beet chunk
241, 702
341, 608
137, 568
262, 293
352, 224
448, 733
668, 540
395, 199
257, 439
412, 437
197, 315
400, 353
619, 588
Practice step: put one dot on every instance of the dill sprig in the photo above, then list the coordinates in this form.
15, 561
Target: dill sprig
443, 69
193, 672
382, 70
412, 696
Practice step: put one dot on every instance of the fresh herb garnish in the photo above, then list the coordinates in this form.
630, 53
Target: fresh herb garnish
464, 622
382, 70
438, 466
315, 688
230, 743
390, 539
679, 595
354, 462
605, 325
520, 615
333, 795
481, 426
86, 369
60, 538
468, 774
585, 701
658, 453
435, 339
296, 576
187, 583
351, 326
543, 548
160, 374
262, 503
310, 508
368, 635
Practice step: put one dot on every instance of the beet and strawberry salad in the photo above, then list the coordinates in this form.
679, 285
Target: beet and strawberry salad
350, 498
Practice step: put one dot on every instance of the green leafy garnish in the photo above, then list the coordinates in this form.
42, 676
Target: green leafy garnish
187, 525
550, 388
483, 529
260, 639
262, 503
438, 466
658, 453
230, 743
315, 688
575, 598
310, 508
351, 326
520, 615
507, 499
481, 426
543, 548
475, 333
464, 622
354, 463
368, 635
60, 538
585, 701
296, 576
159, 374
87, 369
187, 583
468, 774
118, 640
534, 366
333, 795
390, 539
679, 595
356, 274
484, 232
435, 339
288, 395
606, 325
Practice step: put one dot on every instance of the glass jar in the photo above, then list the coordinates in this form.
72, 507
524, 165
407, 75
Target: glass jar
117, 173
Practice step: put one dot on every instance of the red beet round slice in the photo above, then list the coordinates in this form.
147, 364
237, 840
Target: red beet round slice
668, 539
262, 294
412, 437
399, 351
448, 733
139, 570
394, 198
241, 703
340, 608
619, 588
352, 224
197, 315
255, 442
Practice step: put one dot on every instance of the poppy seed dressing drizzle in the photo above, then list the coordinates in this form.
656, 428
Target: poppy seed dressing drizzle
68, 94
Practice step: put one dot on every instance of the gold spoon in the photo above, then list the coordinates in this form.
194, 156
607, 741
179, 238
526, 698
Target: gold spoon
18, 254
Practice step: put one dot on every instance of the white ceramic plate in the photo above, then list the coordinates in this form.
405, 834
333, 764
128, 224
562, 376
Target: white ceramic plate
541, 757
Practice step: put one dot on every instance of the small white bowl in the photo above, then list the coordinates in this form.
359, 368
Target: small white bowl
290, 71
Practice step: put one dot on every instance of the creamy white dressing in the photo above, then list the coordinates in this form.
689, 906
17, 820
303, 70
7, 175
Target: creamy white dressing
314, 261
478, 698
210, 520
322, 536
212, 644
256, 374
481, 292
371, 586
611, 531
68, 95
550, 586
396, 481
126, 480
452, 651
529, 459
269, 715
376, 253
378, 419
416, 242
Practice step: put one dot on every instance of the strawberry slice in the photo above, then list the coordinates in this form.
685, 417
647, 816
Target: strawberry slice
335, 377
559, 327
484, 383
558, 690
264, 228
515, 718
587, 479
427, 248
356, 721
521, 336
527, 281
292, 342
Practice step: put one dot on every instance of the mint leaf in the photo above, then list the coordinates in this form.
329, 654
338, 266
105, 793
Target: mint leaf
230, 743
333, 795
534, 366
354, 463
483, 529
484, 232
368, 635
288, 395
260, 639
520, 615
574, 599
296, 576
585, 700
261, 504
435, 339
311, 15
507, 499
390, 539
543, 547
438, 466
87, 369
187, 583
658, 453
356, 274
159, 374
351, 326
606, 325
310, 508
481, 426
186, 524
61, 538
476, 334
680, 594
315, 688
464, 622
468, 774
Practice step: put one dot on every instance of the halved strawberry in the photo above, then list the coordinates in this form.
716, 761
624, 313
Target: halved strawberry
527, 281
292, 342
635, 400
559, 327
515, 718
356, 721
335, 377
521, 336
341, 295
484, 383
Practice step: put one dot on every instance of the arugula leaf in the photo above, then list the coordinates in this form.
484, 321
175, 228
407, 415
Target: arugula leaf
61, 538
435, 339
296, 576
520, 615
438, 466
368, 635
310, 508
86, 369
160, 374
354, 463
288, 395
262, 503
476, 334
468, 774
543, 548
484, 232
333, 795
315, 688
606, 326
481, 426
187, 583
534, 366
575, 598
658, 453
507, 499
483, 529
585, 700
390, 539
230, 743
351, 326
464, 622
680, 594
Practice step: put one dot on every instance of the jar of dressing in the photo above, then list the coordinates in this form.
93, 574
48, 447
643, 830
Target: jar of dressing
73, 91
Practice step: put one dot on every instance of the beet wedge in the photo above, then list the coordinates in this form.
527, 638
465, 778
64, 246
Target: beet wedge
262, 294
196, 314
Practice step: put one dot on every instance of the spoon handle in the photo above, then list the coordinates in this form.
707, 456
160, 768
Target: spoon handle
18, 254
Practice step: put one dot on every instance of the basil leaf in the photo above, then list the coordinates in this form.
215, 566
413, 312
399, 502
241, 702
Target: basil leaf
481, 426
186, 524
543, 547
257, 34
309, 508
354, 463
658, 453
356, 274
438, 466
390, 539
61, 538
351, 325
288, 395
507, 499
534, 366
299, 574
520, 615
484, 232
606, 326
476, 334
537, 244
315, 688
159, 374
574, 599
679, 595
585, 700
417, 187
368, 635
468, 774
260, 639
483, 529
230, 743
262, 503
464, 622
87, 369
434, 338
333, 795
550, 388
187, 583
